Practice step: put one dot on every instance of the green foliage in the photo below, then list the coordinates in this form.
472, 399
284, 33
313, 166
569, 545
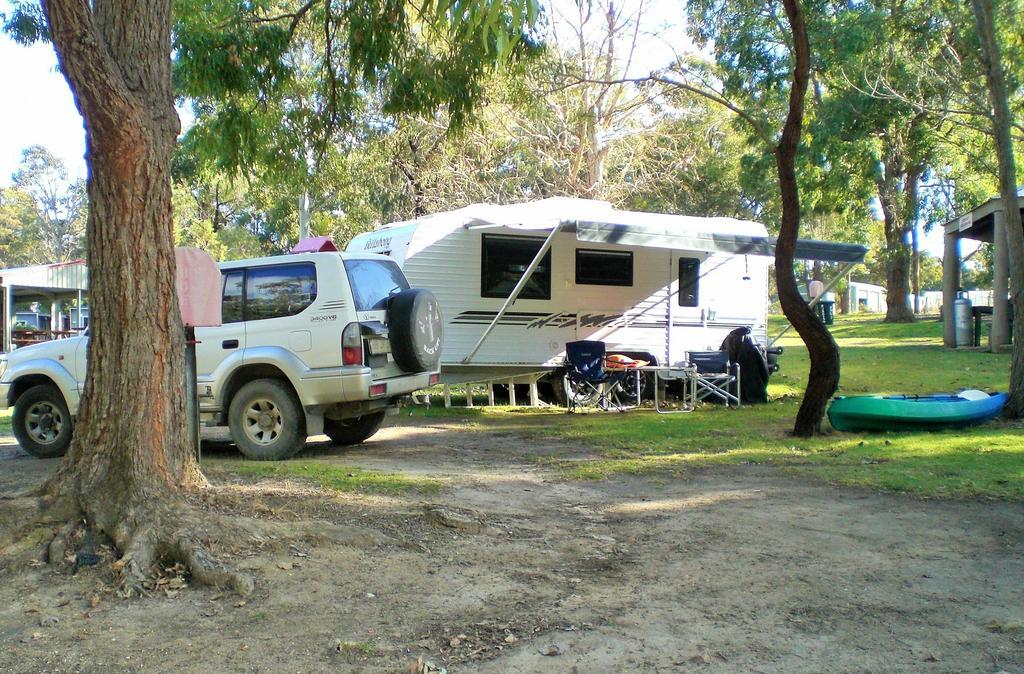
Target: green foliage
43, 215
288, 99
19, 228
26, 23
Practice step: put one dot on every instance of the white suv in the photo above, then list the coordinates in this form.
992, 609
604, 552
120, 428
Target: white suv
310, 343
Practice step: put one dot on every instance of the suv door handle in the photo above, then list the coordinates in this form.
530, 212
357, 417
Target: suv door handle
229, 344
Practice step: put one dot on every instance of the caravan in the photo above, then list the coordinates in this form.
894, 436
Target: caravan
517, 282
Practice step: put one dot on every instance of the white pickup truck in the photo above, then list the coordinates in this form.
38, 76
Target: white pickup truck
310, 343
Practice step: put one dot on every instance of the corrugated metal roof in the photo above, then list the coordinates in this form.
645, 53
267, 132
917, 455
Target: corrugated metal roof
72, 275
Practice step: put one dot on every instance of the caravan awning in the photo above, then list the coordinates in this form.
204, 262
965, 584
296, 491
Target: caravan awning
713, 241
598, 222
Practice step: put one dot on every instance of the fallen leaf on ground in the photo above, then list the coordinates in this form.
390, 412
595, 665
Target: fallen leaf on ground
550, 650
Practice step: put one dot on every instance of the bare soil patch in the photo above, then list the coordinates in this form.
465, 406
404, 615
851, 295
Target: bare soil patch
511, 568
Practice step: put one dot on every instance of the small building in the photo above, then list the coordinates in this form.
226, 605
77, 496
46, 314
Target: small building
865, 297
986, 223
50, 285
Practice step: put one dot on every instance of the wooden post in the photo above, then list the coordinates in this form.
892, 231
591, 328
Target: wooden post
1000, 334
511, 392
447, 395
469, 394
490, 393
534, 398
950, 285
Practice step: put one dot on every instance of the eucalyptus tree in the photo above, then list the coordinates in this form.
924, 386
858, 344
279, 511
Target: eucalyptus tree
761, 71
1002, 130
58, 229
130, 469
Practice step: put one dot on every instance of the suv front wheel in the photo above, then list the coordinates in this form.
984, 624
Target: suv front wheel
41, 422
266, 420
353, 431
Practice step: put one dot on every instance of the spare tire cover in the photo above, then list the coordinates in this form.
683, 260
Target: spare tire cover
415, 327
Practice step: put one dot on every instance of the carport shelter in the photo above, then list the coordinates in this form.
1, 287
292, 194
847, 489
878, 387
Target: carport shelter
986, 223
44, 283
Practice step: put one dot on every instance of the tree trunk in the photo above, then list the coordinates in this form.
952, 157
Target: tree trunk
823, 378
915, 270
1001, 126
897, 257
131, 460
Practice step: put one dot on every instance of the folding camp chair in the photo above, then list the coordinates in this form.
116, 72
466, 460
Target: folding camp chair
587, 382
716, 376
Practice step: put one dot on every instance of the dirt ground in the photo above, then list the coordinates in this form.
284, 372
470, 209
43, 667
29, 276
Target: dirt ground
511, 569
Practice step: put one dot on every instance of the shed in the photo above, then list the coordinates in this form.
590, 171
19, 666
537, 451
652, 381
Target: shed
865, 297
986, 223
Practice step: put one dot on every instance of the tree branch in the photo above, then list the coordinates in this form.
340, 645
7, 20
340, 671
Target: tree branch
101, 94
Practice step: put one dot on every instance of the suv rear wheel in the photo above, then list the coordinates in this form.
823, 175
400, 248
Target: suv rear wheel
353, 431
41, 422
266, 420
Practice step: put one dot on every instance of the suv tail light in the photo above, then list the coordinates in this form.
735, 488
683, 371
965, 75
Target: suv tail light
351, 345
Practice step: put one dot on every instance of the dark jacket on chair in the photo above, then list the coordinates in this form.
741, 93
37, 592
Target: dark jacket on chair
744, 351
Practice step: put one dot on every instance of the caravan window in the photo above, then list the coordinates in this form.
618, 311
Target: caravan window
504, 259
689, 282
604, 267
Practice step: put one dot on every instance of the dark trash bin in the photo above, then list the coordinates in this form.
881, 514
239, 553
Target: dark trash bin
828, 311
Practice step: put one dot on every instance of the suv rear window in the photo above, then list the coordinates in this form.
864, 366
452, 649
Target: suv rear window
373, 282
275, 291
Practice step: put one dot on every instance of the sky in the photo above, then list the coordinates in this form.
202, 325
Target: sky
39, 109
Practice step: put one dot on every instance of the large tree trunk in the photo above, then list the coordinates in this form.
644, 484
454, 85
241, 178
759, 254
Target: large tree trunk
1001, 125
823, 378
896, 255
131, 460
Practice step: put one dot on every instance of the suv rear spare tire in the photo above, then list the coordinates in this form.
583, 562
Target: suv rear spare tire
42, 423
267, 421
415, 327
353, 431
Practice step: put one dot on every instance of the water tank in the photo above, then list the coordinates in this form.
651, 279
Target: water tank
963, 321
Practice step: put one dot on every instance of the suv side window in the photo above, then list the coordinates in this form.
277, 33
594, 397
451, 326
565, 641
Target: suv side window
232, 299
278, 290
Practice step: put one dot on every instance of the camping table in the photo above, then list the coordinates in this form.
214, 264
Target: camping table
687, 373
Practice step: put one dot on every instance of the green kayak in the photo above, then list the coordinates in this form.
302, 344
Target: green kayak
909, 412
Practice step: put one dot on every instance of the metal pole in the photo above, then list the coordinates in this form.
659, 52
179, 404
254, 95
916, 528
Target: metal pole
8, 317
950, 284
515, 291
192, 389
668, 328
1000, 284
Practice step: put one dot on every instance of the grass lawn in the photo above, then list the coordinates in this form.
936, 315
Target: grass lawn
984, 462
328, 475
987, 461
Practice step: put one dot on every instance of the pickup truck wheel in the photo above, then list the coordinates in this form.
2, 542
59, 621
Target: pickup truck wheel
415, 326
353, 431
42, 423
266, 420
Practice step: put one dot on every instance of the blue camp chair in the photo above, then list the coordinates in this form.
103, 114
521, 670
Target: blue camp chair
717, 378
587, 382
